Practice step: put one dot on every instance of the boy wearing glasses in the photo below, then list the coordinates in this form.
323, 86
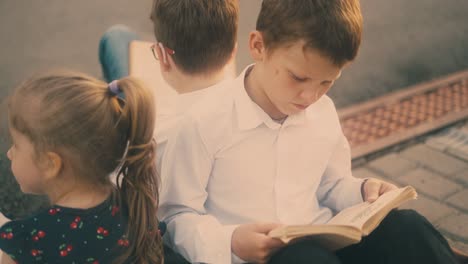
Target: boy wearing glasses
196, 40
267, 150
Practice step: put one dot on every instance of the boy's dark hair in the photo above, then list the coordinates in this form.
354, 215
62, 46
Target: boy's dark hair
333, 27
203, 33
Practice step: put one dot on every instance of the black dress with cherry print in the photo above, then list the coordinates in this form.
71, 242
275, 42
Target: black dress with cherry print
67, 235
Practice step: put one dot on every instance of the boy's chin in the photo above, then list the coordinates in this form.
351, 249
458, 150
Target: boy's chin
293, 111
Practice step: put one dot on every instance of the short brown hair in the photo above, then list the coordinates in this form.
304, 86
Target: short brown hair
203, 33
333, 27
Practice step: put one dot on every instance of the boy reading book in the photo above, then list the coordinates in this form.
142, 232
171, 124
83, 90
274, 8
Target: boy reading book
267, 150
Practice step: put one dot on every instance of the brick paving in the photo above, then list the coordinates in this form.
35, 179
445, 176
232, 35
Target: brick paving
438, 168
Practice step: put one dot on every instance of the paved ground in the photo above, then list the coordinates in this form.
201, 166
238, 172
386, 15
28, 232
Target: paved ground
438, 168
404, 42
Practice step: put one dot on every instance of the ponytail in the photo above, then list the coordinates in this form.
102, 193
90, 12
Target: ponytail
137, 180
66, 109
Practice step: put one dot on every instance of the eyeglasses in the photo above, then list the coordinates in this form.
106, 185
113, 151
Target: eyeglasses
163, 49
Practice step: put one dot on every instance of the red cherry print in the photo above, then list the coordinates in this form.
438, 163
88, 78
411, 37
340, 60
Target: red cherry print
34, 252
41, 234
69, 248
9, 235
36, 238
53, 211
115, 210
123, 242
73, 225
95, 262
77, 219
3, 235
105, 232
100, 230
63, 253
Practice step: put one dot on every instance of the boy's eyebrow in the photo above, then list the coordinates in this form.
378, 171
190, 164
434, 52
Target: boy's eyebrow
301, 76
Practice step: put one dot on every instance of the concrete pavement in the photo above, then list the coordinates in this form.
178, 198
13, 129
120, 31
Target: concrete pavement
438, 168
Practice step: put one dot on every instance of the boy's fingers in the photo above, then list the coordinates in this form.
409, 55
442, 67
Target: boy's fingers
264, 228
372, 190
386, 187
274, 243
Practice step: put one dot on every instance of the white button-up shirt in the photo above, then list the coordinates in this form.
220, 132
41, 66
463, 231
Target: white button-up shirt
168, 114
229, 163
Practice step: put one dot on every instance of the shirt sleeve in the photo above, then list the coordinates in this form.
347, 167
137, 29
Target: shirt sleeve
338, 188
186, 168
13, 242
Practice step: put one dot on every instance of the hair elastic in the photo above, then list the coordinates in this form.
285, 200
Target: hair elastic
115, 90
114, 87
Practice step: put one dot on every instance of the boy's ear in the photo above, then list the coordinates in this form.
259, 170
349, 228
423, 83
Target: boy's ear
165, 59
256, 46
52, 165
234, 51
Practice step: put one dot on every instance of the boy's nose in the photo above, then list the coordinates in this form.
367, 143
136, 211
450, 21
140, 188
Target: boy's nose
310, 95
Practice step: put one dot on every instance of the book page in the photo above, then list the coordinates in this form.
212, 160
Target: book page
358, 215
329, 236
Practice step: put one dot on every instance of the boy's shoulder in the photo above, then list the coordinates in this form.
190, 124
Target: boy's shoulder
323, 108
215, 105
216, 99
210, 118
323, 113
325, 102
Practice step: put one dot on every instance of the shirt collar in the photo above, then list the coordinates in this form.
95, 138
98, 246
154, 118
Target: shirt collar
250, 115
189, 98
186, 100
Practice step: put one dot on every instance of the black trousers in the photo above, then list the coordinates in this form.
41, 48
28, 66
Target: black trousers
171, 257
404, 236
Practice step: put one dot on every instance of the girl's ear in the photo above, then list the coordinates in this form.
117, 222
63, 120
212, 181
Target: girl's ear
52, 165
257, 46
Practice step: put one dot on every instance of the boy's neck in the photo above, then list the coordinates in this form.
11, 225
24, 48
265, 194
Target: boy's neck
186, 83
254, 89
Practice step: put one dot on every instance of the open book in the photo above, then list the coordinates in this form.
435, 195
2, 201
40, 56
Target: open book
350, 225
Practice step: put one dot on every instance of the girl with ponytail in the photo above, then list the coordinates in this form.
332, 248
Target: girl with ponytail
70, 132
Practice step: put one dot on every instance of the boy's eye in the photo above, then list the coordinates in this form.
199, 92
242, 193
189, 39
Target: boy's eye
298, 79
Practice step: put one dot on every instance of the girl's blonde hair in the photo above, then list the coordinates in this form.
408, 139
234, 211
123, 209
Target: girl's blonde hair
98, 132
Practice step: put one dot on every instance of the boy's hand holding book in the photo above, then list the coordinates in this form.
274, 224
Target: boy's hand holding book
251, 242
351, 224
373, 188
